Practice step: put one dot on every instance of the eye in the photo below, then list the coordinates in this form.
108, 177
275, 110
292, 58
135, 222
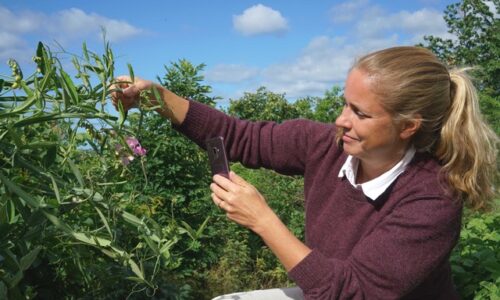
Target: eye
360, 114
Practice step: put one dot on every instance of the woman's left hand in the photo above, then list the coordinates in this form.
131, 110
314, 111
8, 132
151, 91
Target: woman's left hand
241, 201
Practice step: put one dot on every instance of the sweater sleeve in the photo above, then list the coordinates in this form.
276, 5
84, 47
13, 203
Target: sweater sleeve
391, 261
281, 147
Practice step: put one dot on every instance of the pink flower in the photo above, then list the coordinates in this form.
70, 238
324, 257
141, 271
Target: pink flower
135, 146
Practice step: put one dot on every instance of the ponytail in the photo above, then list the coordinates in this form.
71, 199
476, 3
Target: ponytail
468, 146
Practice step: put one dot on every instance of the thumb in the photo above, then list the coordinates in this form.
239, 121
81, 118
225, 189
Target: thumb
237, 179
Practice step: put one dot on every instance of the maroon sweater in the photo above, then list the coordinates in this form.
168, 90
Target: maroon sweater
396, 247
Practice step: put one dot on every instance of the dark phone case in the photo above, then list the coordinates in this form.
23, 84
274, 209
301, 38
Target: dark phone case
217, 156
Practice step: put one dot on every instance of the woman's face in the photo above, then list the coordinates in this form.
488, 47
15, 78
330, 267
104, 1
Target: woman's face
369, 132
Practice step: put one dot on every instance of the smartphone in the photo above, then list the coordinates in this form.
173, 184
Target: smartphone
217, 156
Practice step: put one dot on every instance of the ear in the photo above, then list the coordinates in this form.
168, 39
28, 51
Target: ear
410, 127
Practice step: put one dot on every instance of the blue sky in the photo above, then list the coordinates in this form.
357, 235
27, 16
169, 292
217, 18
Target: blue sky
300, 48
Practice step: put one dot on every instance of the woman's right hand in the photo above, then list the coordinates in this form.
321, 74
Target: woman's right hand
128, 92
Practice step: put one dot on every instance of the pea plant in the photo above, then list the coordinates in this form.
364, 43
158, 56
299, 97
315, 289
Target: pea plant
64, 197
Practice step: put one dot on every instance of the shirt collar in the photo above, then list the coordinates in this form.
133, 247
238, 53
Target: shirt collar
375, 187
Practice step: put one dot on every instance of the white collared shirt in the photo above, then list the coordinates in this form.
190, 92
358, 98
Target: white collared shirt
375, 187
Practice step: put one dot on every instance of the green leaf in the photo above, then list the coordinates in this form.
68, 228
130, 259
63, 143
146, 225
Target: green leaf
29, 92
130, 218
14, 280
30, 200
40, 144
151, 244
104, 221
199, 232
76, 172
164, 250
55, 116
41, 52
135, 268
91, 239
94, 69
55, 188
136, 279
131, 73
58, 223
29, 258
85, 51
123, 115
109, 253
69, 88
20, 109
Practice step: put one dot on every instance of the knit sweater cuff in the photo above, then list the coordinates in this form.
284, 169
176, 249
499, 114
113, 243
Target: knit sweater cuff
195, 123
307, 275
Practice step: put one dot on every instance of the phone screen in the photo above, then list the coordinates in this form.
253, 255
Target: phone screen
217, 156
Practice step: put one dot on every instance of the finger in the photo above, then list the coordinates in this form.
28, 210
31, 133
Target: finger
216, 200
226, 206
220, 192
123, 81
237, 179
224, 183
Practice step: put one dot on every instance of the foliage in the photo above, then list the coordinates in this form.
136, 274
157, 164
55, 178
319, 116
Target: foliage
269, 106
263, 105
322, 109
476, 259
476, 29
184, 79
179, 182
65, 222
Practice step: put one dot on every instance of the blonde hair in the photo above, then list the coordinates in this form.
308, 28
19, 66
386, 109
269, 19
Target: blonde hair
412, 83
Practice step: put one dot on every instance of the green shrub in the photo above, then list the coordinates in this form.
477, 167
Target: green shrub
476, 259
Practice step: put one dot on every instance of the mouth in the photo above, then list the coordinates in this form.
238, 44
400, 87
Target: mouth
347, 138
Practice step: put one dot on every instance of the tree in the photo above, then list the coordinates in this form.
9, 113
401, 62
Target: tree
183, 78
263, 105
322, 109
269, 106
476, 27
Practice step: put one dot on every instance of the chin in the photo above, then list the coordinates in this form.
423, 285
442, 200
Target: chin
349, 150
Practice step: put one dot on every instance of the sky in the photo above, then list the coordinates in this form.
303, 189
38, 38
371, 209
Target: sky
296, 48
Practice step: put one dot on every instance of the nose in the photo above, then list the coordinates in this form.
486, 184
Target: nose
343, 120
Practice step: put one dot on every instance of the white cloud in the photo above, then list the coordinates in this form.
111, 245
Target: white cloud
11, 46
74, 21
326, 60
63, 26
230, 73
20, 23
260, 19
346, 11
377, 23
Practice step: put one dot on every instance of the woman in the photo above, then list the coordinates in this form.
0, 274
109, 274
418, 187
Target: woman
384, 185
